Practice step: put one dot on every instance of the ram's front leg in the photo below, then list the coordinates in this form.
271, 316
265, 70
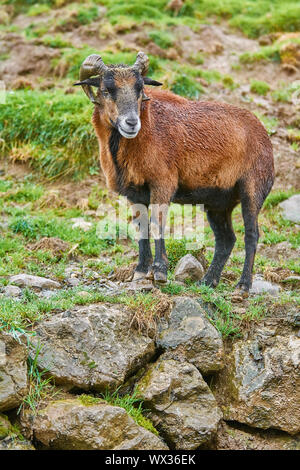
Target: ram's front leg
141, 219
159, 214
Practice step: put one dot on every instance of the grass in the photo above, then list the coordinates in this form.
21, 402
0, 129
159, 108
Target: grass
39, 385
259, 87
147, 311
275, 52
162, 38
52, 131
270, 123
132, 404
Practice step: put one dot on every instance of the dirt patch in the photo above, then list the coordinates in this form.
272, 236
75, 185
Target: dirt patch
123, 273
57, 246
25, 59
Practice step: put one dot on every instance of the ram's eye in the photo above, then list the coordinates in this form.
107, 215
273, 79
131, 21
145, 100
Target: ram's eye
105, 93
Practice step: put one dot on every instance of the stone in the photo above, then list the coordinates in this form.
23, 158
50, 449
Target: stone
259, 286
73, 281
79, 222
181, 404
188, 267
190, 335
71, 425
231, 437
13, 372
12, 291
291, 208
260, 383
91, 347
13, 443
27, 280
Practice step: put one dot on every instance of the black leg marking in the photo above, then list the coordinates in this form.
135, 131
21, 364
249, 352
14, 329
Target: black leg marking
251, 239
160, 265
221, 225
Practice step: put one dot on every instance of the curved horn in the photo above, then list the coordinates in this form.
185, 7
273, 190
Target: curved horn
142, 63
93, 65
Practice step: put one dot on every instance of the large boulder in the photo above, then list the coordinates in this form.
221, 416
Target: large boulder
260, 384
72, 425
91, 347
13, 372
181, 404
188, 334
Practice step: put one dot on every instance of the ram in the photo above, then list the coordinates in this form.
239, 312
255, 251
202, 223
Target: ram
157, 148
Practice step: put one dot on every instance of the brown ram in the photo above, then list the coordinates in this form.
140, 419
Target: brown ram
157, 147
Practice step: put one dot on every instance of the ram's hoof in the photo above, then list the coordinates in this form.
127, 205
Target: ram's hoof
139, 276
160, 278
150, 274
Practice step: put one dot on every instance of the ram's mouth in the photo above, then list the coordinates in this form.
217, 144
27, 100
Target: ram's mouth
128, 135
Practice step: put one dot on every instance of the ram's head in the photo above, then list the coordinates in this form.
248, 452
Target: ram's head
120, 90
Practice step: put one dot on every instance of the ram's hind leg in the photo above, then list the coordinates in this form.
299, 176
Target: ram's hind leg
221, 225
250, 210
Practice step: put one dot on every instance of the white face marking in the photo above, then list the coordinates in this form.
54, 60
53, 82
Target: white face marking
127, 130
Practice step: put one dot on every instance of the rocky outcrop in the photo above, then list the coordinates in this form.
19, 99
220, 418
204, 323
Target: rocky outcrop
13, 443
230, 437
181, 404
188, 267
188, 334
72, 425
92, 347
13, 372
260, 384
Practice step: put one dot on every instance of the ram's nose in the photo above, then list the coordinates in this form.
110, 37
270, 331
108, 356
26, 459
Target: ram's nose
131, 121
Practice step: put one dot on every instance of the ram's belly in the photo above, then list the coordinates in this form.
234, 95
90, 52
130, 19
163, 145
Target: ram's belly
212, 197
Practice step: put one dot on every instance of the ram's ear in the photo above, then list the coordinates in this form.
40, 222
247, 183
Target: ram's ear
90, 81
149, 81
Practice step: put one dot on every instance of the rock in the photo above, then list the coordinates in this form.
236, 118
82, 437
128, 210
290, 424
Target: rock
13, 372
260, 286
188, 267
12, 291
48, 293
27, 280
230, 437
73, 281
71, 425
181, 405
13, 443
5, 426
190, 335
291, 208
79, 222
260, 384
91, 347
